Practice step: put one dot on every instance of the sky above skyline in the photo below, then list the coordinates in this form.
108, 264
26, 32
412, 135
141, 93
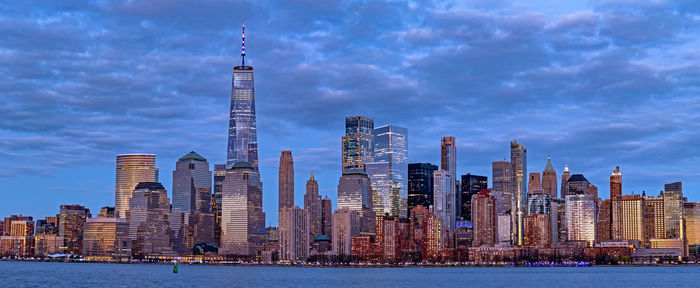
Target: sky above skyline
594, 84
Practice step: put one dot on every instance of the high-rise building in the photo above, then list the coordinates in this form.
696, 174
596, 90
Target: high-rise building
673, 210
420, 184
538, 231
501, 178
534, 186
380, 177
628, 218
355, 193
581, 218
654, 217
326, 217
219, 176
564, 179
577, 184
149, 220
388, 237
557, 219
605, 218
242, 218
433, 237
484, 218
106, 239
549, 179
518, 162
448, 162
691, 214
417, 219
47, 241
470, 186
346, 224
192, 221
503, 228
443, 199
286, 180
358, 143
539, 204
616, 183
70, 226
106, 212
18, 237
313, 208
293, 234
391, 147
132, 169
242, 128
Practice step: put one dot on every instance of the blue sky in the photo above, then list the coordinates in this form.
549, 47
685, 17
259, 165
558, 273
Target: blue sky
593, 83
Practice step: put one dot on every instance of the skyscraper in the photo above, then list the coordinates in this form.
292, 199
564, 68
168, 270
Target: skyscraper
242, 218
312, 208
616, 183
518, 162
628, 218
501, 183
691, 214
191, 207
484, 218
358, 142
448, 162
654, 217
549, 179
538, 230
346, 224
443, 199
534, 186
673, 210
149, 219
565, 178
106, 238
293, 234
391, 147
470, 186
286, 180
242, 129
580, 218
219, 176
132, 169
326, 217
355, 193
71, 224
420, 184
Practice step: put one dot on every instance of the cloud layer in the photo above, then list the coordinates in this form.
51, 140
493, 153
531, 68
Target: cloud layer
596, 84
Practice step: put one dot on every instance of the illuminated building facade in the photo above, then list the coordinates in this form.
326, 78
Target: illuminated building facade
654, 217
628, 218
605, 218
616, 183
538, 231
433, 237
448, 162
242, 129
313, 208
149, 219
192, 221
387, 239
70, 226
673, 210
518, 162
106, 238
18, 236
346, 224
581, 218
132, 169
501, 179
484, 218
691, 214
564, 179
391, 147
242, 218
355, 193
293, 234
420, 184
219, 176
326, 216
443, 201
286, 180
358, 143
539, 204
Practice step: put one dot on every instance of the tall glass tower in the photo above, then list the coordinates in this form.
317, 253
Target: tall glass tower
518, 162
357, 143
242, 131
389, 172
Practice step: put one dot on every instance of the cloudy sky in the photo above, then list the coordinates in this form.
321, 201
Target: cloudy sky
593, 83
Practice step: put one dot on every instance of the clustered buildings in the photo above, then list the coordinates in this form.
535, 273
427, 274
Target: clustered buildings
388, 210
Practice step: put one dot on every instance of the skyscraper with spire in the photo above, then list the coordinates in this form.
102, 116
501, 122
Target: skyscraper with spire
242, 131
549, 179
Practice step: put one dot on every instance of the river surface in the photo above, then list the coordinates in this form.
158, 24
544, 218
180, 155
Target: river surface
40, 274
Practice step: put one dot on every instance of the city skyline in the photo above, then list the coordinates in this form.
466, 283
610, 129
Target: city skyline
77, 173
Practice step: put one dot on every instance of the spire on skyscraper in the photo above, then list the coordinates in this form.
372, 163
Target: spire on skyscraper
243, 44
566, 167
549, 166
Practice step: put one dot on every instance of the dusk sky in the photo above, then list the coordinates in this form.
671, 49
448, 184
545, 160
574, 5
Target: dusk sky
595, 84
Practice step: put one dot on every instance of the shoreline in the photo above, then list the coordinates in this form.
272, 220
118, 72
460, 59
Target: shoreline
455, 265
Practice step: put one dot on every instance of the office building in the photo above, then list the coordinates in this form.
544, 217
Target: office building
313, 208
106, 239
538, 231
355, 193
518, 162
484, 219
534, 185
358, 143
616, 183
242, 218
293, 234
443, 201
391, 147
628, 218
286, 180
420, 184
501, 178
192, 221
448, 162
132, 169
346, 224
564, 179
149, 220
673, 210
470, 186
549, 179
326, 217
70, 226
581, 218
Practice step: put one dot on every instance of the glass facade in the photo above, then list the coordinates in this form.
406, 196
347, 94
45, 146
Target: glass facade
673, 210
500, 179
581, 218
420, 184
448, 162
518, 164
70, 226
691, 213
391, 147
106, 238
242, 219
242, 129
443, 199
132, 169
470, 185
355, 193
628, 217
539, 204
149, 219
358, 142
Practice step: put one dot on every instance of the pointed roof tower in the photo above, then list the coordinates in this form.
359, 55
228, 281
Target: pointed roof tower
549, 166
243, 44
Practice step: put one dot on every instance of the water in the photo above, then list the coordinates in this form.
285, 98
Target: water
22, 274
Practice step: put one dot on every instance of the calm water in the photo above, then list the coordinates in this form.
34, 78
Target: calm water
21, 274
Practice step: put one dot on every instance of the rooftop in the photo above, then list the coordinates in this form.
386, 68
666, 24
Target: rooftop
192, 156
